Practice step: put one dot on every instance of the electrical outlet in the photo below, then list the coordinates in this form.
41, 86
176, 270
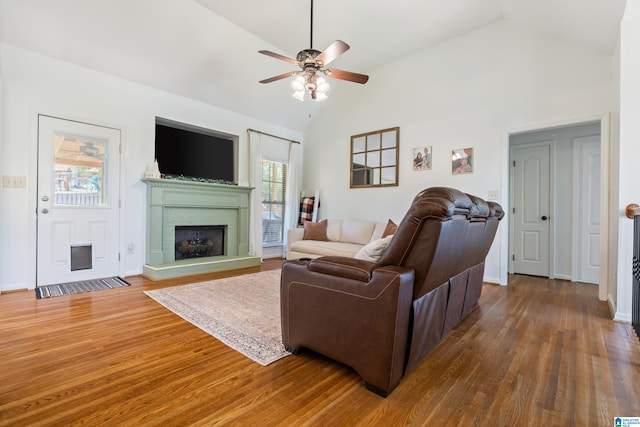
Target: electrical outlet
130, 248
14, 181
494, 195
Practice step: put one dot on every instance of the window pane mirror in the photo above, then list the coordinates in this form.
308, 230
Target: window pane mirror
374, 158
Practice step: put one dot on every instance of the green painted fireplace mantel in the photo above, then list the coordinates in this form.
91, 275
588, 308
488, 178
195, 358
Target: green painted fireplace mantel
172, 203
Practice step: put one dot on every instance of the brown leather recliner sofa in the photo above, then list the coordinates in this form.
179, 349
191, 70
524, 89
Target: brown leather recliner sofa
382, 318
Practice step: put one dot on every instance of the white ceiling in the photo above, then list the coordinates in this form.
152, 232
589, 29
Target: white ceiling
207, 49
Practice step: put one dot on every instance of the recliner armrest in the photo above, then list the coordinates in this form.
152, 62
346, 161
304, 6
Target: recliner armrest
350, 268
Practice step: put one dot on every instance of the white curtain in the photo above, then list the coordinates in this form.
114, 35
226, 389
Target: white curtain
255, 180
293, 191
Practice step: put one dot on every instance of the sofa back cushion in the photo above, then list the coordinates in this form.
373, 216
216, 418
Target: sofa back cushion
334, 229
357, 231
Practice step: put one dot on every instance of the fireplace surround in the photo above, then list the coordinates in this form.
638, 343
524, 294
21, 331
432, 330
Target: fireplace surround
175, 203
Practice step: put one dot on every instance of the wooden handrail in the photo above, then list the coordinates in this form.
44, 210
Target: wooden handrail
632, 210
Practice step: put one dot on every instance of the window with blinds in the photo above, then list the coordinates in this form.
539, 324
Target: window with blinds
274, 186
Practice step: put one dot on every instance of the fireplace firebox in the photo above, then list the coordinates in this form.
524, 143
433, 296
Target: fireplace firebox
196, 241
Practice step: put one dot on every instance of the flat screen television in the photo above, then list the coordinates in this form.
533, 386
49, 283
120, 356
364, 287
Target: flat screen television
192, 152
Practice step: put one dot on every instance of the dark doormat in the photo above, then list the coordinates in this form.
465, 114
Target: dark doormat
79, 287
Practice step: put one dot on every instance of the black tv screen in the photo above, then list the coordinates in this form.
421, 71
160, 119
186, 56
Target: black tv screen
193, 153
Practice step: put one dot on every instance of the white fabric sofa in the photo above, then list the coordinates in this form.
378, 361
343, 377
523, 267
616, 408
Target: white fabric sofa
346, 238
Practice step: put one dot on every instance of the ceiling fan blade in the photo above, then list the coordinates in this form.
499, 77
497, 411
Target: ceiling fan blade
334, 50
278, 56
279, 77
346, 75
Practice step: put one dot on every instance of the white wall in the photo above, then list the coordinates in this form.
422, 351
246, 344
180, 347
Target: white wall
629, 151
33, 84
467, 92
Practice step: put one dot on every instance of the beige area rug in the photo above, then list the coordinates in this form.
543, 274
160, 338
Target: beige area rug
243, 312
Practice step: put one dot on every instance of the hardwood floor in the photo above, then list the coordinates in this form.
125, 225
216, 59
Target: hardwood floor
538, 352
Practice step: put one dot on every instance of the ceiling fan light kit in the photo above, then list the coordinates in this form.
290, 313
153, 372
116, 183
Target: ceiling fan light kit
312, 65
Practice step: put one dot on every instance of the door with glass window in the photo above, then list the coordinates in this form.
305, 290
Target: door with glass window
78, 201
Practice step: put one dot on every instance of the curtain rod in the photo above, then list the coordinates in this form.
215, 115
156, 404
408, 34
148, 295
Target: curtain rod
273, 136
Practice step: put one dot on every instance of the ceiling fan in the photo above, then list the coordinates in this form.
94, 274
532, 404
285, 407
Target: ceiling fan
313, 66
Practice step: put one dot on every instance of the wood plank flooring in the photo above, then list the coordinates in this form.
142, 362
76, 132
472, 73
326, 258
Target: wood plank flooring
536, 353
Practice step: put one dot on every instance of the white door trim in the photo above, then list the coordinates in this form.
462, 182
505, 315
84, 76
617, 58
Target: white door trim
579, 208
605, 125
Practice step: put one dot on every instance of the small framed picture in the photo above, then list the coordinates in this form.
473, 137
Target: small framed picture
421, 158
462, 161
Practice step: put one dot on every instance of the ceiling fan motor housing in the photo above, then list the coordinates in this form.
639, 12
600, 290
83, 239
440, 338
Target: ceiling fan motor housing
308, 55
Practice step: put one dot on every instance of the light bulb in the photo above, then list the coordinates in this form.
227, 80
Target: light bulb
297, 84
323, 86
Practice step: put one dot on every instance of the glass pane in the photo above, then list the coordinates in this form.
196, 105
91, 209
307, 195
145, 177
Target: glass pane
272, 223
359, 145
358, 160
79, 171
389, 157
388, 176
389, 139
373, 159
376, 176
373, 142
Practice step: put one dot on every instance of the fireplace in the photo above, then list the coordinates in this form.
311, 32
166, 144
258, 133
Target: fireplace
175, 206
197, 241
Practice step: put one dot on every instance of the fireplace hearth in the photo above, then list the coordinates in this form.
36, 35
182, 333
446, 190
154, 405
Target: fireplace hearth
196, 241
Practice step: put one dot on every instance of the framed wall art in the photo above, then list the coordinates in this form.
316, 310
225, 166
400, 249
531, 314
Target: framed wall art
421, 158
462, 161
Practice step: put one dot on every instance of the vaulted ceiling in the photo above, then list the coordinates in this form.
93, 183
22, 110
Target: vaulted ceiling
207, 49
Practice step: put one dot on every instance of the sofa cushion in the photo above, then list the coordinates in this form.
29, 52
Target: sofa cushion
334, 229
357, 231
315, 230
373, 251
325, 248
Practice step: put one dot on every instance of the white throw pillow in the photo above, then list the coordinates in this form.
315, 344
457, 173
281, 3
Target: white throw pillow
374, 250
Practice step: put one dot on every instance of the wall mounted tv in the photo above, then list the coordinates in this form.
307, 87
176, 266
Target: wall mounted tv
194, 152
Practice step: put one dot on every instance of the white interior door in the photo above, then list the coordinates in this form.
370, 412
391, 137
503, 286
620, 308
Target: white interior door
588, 233
78, 201
531, 210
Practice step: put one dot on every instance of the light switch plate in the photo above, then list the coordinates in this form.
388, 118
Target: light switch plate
14, 181
494, 195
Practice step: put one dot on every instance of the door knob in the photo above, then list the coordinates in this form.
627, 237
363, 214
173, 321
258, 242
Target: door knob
45, 198
45, 210
544, 217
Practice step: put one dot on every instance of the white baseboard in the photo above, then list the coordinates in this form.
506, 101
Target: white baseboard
493, 281
15, 287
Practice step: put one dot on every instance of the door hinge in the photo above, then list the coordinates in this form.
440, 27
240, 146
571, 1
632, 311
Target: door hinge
513, 257
513, 210
118, 256
514, 163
